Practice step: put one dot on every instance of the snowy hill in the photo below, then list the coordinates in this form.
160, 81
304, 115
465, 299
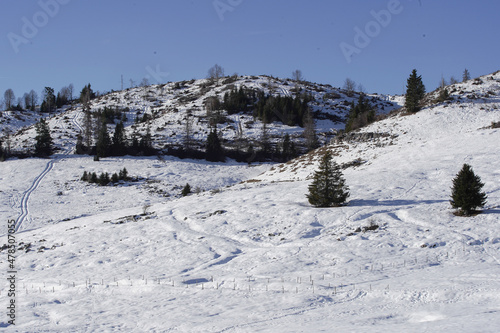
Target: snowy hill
254, 256
163, 108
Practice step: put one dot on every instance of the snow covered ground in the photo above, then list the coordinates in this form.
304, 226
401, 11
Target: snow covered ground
255, 256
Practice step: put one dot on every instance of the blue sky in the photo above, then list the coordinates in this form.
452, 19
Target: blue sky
79, 42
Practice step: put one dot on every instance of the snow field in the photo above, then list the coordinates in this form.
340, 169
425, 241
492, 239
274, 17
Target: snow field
255, 256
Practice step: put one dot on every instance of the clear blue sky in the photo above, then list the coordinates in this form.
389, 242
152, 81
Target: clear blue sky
96, 42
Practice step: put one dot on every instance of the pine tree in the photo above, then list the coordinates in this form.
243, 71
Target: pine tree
288, 148
214, 150
43, 145
328, 188
466, 193
49, 100
360, 115
466, 75
103, 143
415, 92
119, 140
186, 190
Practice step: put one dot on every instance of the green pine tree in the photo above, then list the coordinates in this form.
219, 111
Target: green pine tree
43, 145
214, 150
360, 115
119, 140
328, 188
103, 143
415, 92
466, 193
186, 190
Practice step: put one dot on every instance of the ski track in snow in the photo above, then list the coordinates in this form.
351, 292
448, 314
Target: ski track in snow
24, 206
26, 196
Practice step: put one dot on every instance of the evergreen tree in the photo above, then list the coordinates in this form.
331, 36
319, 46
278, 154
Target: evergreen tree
186, 190
214, 150
288, 148
415, 92
43, 145
49, 100
328, 188
466, 75
466, 193
86, 94
123, 175
119, 140
103, 141
80, 147
360, 115
146, 143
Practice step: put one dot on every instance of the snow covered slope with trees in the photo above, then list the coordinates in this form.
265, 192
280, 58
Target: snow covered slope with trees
256, 256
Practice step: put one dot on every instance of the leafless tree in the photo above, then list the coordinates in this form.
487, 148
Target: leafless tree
310, 132
71, 88
33, 99
144, 82
65, 93
215, 73
442, 83
212, 106
26, 101
298, 78
453, 80
9, 98
349, 86
188, 131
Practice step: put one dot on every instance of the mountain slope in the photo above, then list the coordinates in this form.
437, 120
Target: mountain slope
256, 257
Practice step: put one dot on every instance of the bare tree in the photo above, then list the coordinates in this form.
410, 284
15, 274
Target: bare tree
188, 130
310, 132
144, 82
213, 109
271, 85
33, 99
442, 83
361, 89
9, 98
297, 75
298, 78
349, 86
65, 93
453, 80
71, 88
215, 73
26, 101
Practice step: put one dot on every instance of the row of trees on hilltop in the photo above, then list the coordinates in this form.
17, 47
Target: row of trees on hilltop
50, 101
329, 189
